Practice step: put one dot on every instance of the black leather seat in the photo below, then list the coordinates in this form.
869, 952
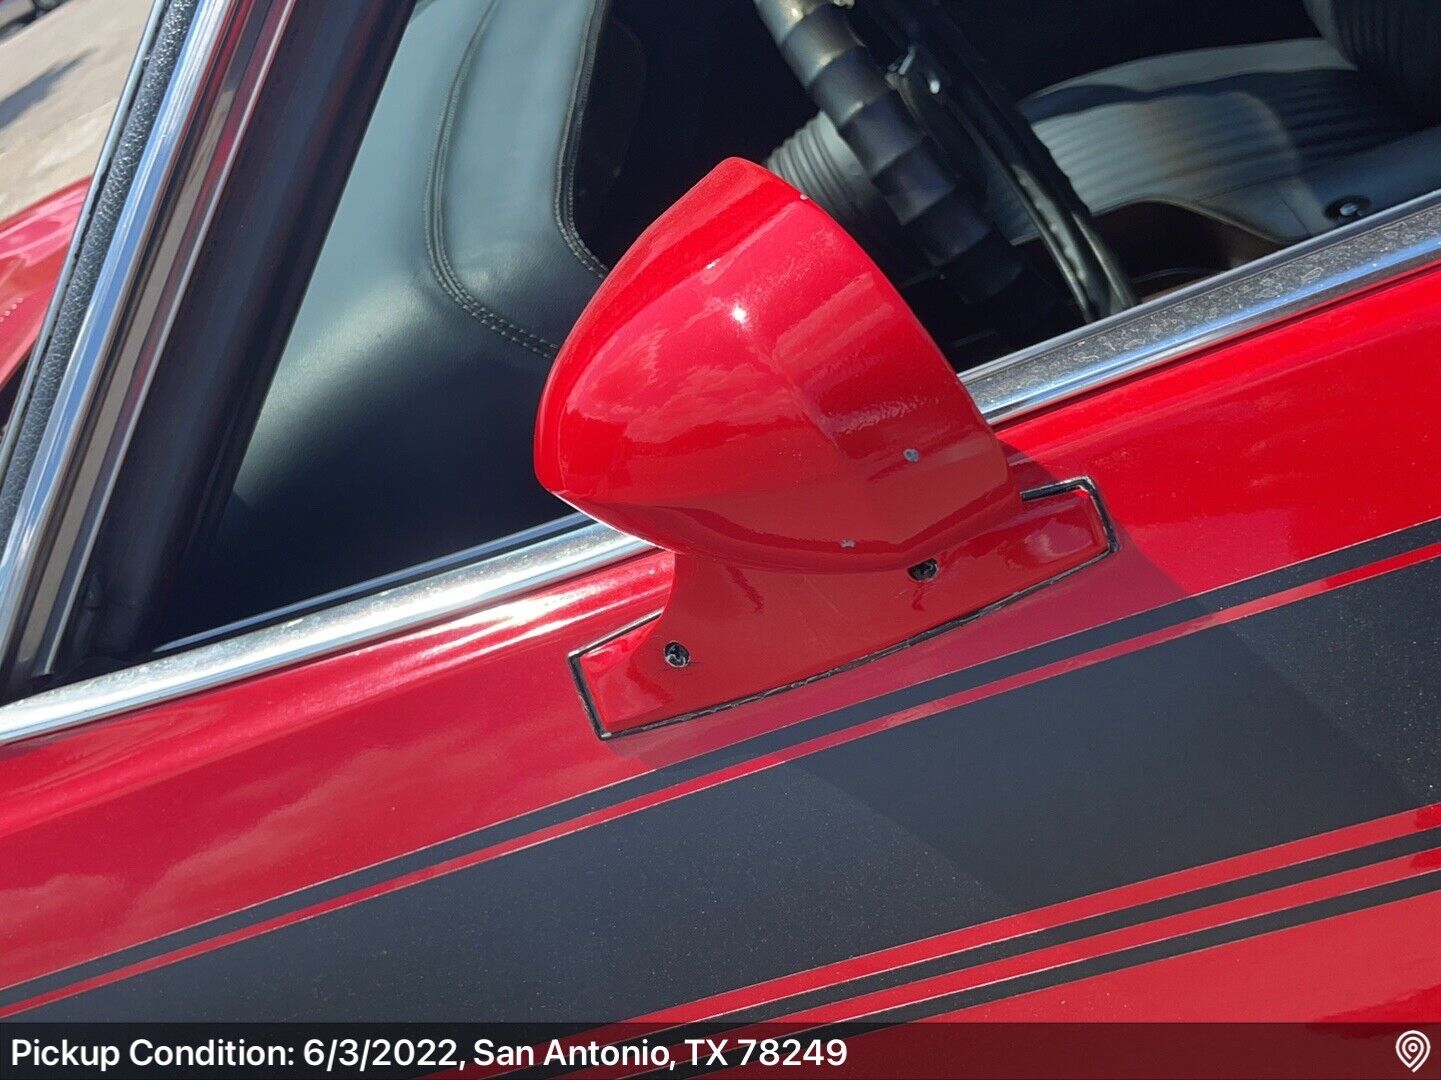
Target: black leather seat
1266, 136
398, 426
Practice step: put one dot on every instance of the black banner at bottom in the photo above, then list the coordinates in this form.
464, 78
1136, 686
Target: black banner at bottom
917, 1051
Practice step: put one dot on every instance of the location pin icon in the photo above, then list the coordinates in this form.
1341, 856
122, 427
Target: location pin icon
1413, 1048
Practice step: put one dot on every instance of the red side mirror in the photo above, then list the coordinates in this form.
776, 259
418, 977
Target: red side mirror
748, 390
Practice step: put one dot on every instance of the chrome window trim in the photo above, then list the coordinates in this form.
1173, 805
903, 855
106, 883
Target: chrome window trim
87, 210
393, 611
1154, 333
207, 100
469, 557
1209, 311
25, 555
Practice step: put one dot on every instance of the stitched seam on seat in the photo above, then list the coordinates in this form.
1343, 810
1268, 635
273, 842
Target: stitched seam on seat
440, 264
1285, 198
575, 114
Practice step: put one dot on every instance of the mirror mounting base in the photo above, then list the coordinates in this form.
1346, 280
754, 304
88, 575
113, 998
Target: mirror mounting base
729, 635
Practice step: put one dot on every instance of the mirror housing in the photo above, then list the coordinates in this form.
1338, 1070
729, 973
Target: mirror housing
748, 390
748, 386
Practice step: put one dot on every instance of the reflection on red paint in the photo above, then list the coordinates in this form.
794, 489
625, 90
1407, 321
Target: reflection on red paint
747, 386
1381, 965
753, 631
1219, 468
33, 244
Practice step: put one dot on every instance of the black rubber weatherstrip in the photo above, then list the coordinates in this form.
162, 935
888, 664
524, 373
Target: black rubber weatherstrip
1168, 615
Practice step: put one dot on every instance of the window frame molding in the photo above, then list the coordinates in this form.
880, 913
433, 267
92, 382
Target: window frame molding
1265, 291
1163, 330
188, 102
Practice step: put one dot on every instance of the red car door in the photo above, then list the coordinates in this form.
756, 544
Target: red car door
1195, 780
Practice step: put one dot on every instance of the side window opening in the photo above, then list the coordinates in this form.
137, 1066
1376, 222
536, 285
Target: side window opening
518, 148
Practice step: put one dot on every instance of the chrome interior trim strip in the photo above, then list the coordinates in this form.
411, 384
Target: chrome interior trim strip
1161, 330
406, 607
1210, 311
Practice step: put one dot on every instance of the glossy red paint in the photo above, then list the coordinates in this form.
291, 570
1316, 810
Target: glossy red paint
1069, 912
33, 244
226, 799
748, 387
1381, 965
1147, 933
1404, 980
1115, 900
748, 632
748, 390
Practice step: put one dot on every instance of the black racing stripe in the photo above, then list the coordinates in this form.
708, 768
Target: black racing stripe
1316, 911
1059, 935
1168, 615
1161, 950
1291, 722
1100, 924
